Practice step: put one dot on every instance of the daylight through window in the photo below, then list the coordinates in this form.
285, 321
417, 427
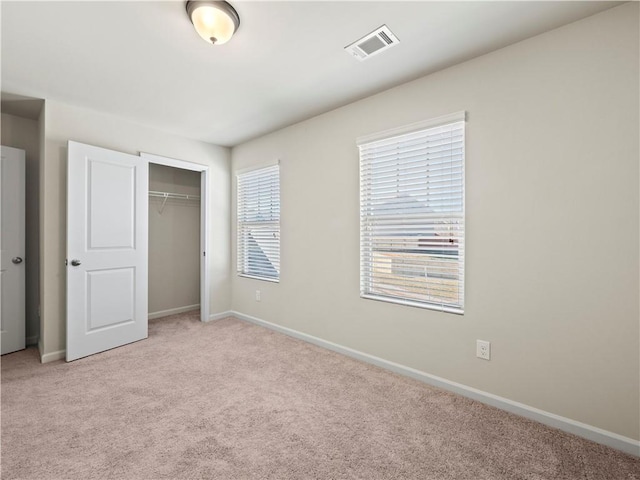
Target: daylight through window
412, 215
259, 223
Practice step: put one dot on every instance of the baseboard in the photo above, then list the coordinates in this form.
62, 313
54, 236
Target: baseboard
32, 340
219, 316
52, 356
173, 311
604, 437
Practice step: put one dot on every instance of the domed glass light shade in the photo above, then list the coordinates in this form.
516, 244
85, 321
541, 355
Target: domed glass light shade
215, 21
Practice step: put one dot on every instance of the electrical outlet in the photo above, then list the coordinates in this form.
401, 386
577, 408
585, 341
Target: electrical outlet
257, 295
483, 349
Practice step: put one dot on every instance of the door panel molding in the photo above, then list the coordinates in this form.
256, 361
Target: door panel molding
107, 249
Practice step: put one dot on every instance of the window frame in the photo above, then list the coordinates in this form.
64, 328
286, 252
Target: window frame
367, 277
242, 248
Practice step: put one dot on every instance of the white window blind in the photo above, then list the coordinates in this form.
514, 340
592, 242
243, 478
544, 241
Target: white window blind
412, 217
259, 223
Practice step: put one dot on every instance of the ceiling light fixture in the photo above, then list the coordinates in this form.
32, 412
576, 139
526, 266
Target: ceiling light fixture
215, 21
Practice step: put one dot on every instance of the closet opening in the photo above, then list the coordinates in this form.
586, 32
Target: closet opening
178, 226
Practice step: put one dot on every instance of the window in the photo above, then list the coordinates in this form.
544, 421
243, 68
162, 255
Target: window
259, 223
412, 215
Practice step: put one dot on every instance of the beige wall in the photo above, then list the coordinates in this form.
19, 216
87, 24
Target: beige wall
552, 224
174, 241
64, 123
23, 133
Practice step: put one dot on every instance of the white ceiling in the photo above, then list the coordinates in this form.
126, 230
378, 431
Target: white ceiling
145, 62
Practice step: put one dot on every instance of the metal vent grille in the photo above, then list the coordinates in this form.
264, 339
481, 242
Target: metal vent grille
373, 43
385, 37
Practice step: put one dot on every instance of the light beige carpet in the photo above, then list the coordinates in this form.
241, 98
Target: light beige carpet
230, 400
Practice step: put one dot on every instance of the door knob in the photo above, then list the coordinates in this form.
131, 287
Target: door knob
75, 262
16, 260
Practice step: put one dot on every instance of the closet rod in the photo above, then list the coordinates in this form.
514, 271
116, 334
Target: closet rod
168, 195
183, 196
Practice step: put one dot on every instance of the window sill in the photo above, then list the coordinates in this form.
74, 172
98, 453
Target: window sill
409, 303
265, 279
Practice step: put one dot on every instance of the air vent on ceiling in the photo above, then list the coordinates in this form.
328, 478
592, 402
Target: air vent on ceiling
377, 41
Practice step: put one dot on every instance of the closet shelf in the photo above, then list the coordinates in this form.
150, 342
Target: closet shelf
168, 195
183, 196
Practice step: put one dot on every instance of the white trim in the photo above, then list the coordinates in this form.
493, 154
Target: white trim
255, 277
53, 356
256, 182
598, 435
219, 316
205, 281
412, 127
410, 303
258, 166
173, 311
173, 162
204, 221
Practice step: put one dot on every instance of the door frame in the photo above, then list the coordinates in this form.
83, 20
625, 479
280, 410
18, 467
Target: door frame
204, 222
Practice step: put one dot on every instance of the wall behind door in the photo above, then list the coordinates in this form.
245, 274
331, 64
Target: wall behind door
22, 133
174, 242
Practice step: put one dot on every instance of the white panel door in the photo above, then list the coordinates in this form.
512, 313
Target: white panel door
107, 249
12, 246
